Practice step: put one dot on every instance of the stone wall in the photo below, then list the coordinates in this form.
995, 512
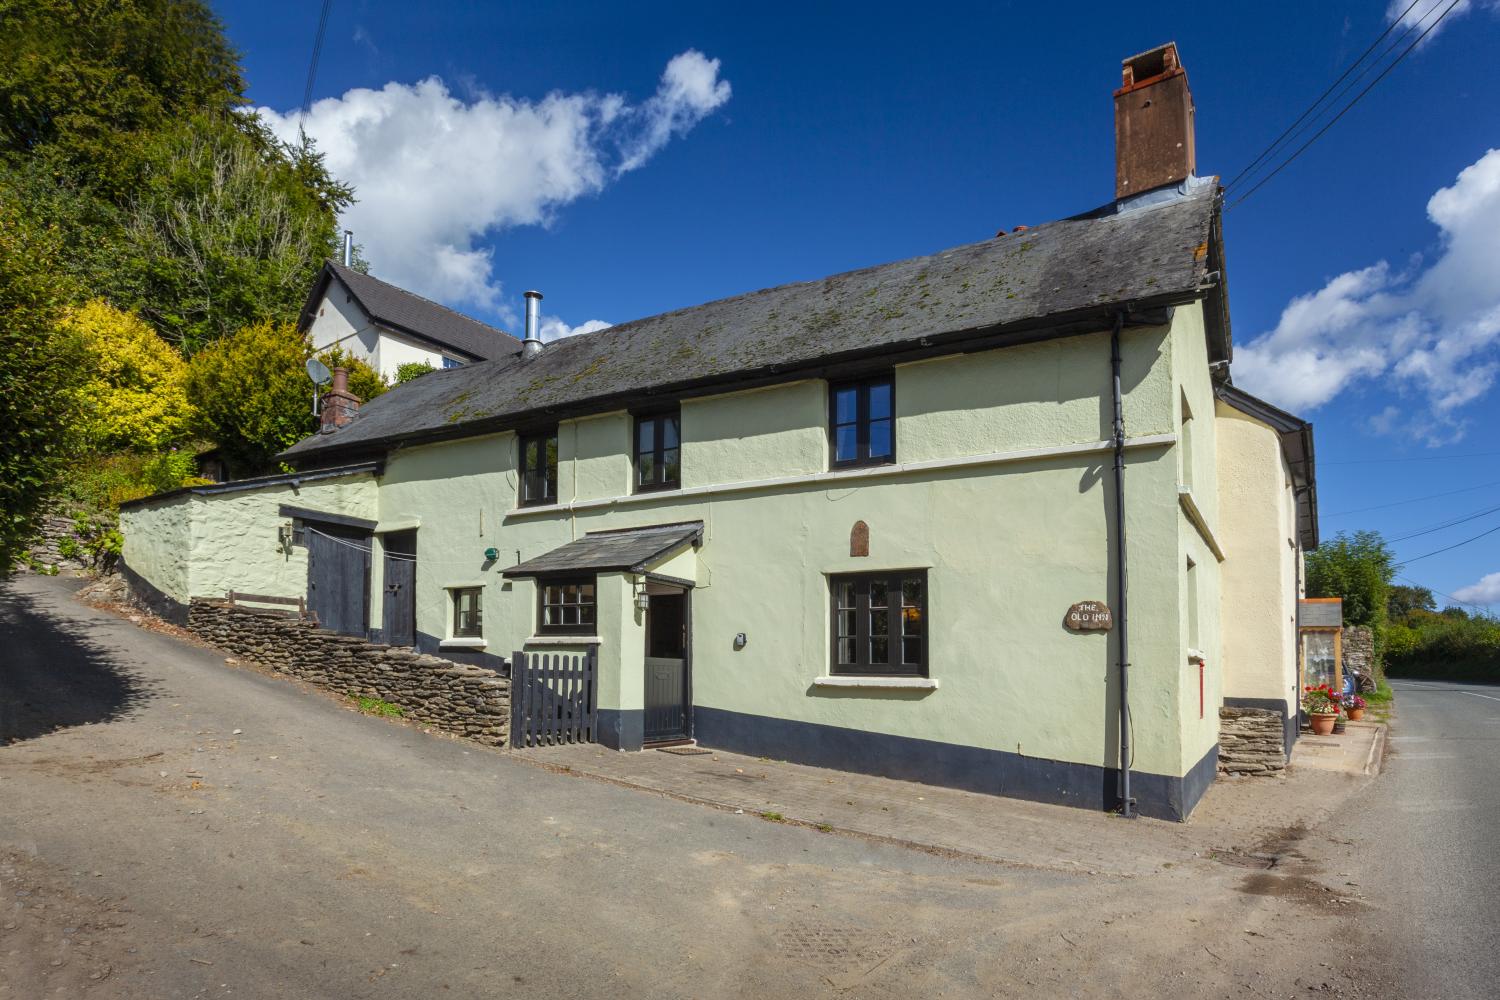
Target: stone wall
1251, 741
47, 551
456, 698
1359, 650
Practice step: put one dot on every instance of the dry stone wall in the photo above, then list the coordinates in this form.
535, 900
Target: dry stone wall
456, 698
1359, 650
1250, 741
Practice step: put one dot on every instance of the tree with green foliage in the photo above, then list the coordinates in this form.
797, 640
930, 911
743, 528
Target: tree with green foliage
412, 370
135, 395
231, 227
1404, 600
253, 396
40, 369
1358, 568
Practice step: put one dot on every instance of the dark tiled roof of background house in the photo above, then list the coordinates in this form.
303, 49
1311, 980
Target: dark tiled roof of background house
409, 313
1058, 278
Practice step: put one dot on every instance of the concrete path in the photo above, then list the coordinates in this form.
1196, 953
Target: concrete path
173, 826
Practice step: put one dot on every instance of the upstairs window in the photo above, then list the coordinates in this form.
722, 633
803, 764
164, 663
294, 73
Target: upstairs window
880, 623
539, 468
452, 363
862, 421
658, 452
568, 606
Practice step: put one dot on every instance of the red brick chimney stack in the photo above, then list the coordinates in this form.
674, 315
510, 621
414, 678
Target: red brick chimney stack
1154, 143
339, 404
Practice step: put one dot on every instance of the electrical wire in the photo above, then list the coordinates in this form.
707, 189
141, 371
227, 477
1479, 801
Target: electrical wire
1447, 597
1450, 548
312, 66
1444, 525
1321, 97
1403, 503
1414, 458
1346, 108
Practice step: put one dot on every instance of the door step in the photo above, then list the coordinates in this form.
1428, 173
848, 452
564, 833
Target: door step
686, 748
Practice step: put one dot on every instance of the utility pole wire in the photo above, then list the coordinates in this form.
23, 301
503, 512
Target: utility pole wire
1449, 548
1319, 134
1403, 503
1321, 97
312, 66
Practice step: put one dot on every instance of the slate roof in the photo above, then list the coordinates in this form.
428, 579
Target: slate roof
411, 314
631, 550
1059, 278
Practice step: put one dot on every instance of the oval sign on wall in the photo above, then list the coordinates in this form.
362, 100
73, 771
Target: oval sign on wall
1089, 616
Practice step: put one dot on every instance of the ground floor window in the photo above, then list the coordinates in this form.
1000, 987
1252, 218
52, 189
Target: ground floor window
567, 606
467, 617
880, 623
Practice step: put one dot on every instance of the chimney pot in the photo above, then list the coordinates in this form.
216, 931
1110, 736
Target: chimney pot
348, 248
1154, 144
339, 404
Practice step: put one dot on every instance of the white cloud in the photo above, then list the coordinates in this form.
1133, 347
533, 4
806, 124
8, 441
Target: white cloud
1486, 591
1425, 12
1429, 333
435, 173
552, 328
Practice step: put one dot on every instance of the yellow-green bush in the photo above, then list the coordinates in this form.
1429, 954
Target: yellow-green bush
136, 389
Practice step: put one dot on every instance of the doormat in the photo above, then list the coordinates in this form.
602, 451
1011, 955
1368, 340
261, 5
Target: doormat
684, 751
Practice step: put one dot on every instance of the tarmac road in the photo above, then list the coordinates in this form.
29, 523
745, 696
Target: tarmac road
1431, 834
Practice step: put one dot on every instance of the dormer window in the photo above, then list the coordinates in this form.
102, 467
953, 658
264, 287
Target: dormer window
862, 421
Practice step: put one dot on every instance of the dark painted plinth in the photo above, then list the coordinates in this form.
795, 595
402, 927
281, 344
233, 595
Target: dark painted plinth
622, 728
991, 772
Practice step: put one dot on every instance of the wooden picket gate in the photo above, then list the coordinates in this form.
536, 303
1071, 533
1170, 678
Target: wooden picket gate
552, 699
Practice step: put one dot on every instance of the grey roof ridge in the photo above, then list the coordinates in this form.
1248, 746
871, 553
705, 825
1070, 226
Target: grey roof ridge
338, 270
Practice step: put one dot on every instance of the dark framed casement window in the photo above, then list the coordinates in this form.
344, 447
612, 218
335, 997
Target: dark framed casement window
880, 623
658, 451
862, 421
468, 618
566, 606
539, 467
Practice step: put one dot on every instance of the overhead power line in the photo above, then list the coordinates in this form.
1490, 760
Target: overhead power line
1414, 458
1321, 98
1450, 548
1347, 107
1447, 597
312, 66
1446, 524
1403, 503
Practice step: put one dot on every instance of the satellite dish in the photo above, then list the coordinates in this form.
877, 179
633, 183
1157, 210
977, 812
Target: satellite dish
318, 371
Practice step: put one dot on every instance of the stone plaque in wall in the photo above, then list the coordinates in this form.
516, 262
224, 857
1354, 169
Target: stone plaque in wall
1089, 616
859, 539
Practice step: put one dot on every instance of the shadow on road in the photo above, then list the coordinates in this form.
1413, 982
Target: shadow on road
56, 673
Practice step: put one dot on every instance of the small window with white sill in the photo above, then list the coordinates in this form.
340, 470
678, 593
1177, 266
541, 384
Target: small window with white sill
468, 620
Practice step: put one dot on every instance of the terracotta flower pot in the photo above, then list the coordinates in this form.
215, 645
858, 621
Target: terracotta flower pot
1322, 722
1356, 714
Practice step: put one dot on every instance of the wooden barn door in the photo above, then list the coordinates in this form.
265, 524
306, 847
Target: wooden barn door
338, 578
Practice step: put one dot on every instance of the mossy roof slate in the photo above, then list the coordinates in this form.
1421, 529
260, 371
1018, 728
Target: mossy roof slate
1068, 268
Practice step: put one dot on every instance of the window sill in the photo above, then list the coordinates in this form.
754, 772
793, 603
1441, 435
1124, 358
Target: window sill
563, 640
474, 642
875, 682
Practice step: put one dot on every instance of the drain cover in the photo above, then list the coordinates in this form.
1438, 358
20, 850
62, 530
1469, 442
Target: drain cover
684, 751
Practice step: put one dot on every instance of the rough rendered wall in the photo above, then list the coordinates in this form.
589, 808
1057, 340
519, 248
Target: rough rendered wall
468, 701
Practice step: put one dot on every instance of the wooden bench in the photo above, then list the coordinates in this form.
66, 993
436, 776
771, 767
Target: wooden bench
236, 599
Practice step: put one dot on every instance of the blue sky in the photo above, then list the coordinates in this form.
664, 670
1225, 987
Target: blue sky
631, 159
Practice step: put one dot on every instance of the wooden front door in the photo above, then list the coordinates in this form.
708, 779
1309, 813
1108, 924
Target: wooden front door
338, 578
399, 609
668, 676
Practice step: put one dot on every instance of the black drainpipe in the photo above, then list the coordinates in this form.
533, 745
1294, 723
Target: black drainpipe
1122, 618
